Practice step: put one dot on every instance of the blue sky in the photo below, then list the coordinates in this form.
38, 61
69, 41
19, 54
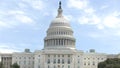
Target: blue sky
96, 24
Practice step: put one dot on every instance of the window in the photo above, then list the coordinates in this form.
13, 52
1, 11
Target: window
54, 66
68, 61
48, 61
54, 55
68, 66
88, 63
19, 62
48, 55
19, 57
84, 63
39, 60
38, 66
48, 66
33, 62
62, 55
58, 61
61, 41
54, 61
93, 63
24, 57
58, 55
68, 55
29, 63
78, 61
62, 61
62, 66
24, 62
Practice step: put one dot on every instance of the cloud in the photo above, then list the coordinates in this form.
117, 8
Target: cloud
13, 18
89, 19
3, 24
111, 22
19, 14
24, 19
36, 4
68, 17
79, 4
8, 48
104, 7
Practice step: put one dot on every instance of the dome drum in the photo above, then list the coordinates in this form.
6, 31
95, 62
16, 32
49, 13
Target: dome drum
59, 43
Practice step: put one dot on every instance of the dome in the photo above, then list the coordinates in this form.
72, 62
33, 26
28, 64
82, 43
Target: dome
59, 33
60, 21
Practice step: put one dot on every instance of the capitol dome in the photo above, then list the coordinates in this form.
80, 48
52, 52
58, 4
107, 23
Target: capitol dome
59, 33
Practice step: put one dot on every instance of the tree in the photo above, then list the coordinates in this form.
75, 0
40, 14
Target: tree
1, 65
15, 65
110, 63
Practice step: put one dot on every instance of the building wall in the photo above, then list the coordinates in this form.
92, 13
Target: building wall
91, 60
25, 60
6, 59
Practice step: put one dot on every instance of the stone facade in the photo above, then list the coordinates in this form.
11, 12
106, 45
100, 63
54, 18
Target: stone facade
6, 59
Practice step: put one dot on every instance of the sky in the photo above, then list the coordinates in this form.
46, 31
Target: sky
96, 24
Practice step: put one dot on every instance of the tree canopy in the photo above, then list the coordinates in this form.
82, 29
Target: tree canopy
15, 65
110, 63
1, 65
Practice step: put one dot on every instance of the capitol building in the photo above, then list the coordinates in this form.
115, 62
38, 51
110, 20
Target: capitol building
59, 50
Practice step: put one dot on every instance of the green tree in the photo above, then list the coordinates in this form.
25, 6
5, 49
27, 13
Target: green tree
110, 63
15, 65
1, 65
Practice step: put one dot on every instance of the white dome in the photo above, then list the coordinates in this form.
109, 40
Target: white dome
60, 21
59, 33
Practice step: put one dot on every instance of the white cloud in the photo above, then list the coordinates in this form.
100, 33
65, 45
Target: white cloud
24, 19
104, 7
79, 4
100, 26
92, 19
89, 10
111, 22
36, 4
68, 17
14, 12
13, 18
117, 33
22, 5
3, 24
94, 35
88, 16
8, 48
